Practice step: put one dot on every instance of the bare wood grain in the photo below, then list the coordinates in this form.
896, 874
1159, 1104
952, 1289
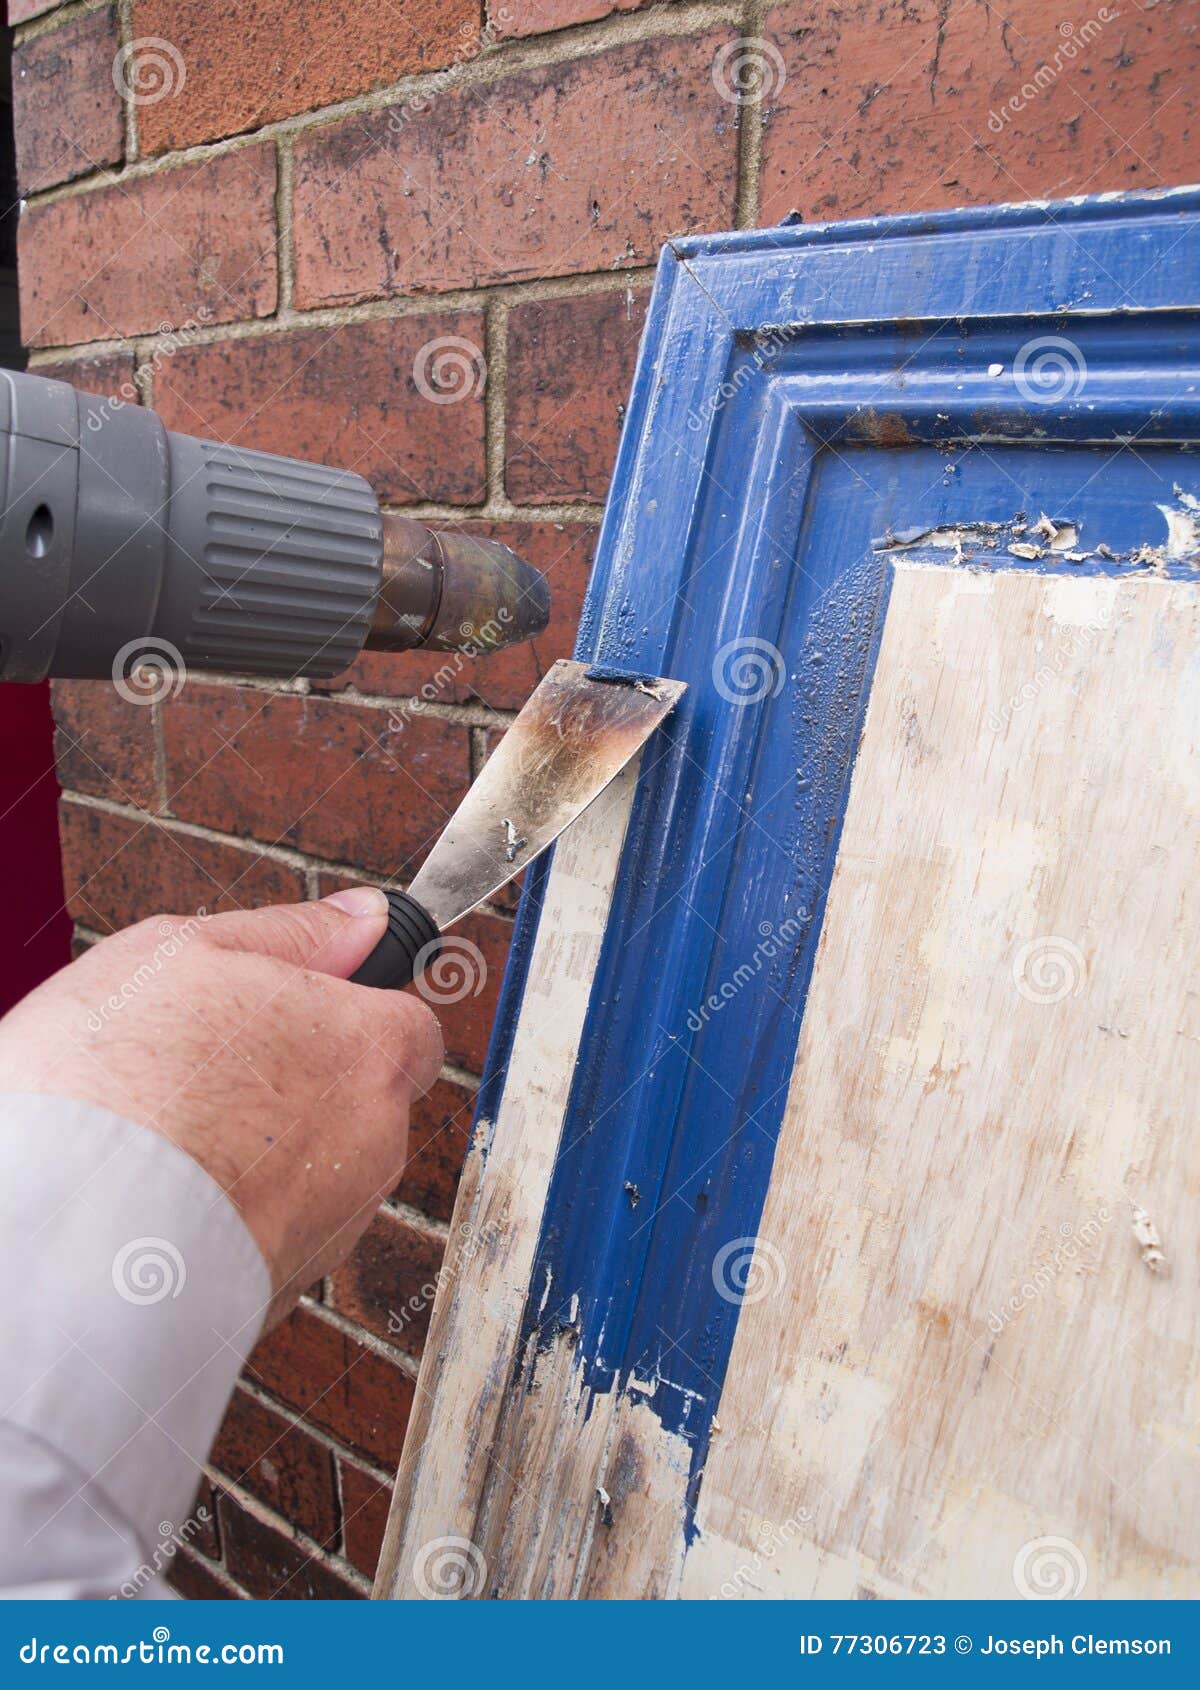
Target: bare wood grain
470, 1353
967, 1353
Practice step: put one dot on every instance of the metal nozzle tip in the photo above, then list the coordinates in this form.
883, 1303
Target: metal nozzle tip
450, 591
490, 597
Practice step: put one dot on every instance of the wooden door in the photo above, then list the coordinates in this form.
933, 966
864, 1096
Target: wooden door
831, 1224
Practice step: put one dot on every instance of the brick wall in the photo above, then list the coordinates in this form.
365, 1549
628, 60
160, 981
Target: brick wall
268, 237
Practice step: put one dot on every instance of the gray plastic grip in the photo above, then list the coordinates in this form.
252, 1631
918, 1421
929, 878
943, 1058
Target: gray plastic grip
120, 540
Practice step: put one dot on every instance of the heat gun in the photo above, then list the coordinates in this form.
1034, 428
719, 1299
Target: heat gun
123, 544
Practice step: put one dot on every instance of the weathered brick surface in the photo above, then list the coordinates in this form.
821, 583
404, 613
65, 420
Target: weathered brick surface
20, 11
333, 779
387, 1285
67, 116
199, 1581
247, 64
549, 172
439, 1132
337, 1382
570, 364
203, 1535
347, 396
365, 1503
538, 17
908, 104
193, 243
503, 680
272, 1458
108, 373
273, 1567
118, 871
103, 744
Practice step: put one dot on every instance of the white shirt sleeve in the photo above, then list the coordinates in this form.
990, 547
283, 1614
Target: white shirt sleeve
132, 1293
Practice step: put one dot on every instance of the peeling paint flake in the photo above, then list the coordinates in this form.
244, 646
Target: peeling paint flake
1146, 1234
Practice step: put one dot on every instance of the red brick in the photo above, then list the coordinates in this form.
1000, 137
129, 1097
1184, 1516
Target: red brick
109, 374
344, 396
197, 1582
20, 10
887, 107
387, 1284
439, 1132
539, 17
67, 115
247, 64
474, 954
337, 1382
203, 1535
196, 243
579, 166
365, 1504
278, 1462
570, 365
273, 1567
503, 679
334, 779
118, 871
104, 744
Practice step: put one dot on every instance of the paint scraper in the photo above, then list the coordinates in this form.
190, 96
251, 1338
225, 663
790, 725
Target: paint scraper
578, 730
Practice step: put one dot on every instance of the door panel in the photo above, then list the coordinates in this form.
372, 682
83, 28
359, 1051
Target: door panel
770, 1131
955, 1344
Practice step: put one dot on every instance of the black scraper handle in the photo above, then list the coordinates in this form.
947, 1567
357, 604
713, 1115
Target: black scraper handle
411, 943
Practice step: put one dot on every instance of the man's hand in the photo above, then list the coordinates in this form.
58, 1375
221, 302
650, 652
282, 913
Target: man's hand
239, 1038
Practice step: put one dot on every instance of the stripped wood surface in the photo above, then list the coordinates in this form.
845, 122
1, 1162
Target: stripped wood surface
969, 1362
966, 1379
435, 1524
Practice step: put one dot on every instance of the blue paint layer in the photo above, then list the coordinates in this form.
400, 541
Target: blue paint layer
759, 468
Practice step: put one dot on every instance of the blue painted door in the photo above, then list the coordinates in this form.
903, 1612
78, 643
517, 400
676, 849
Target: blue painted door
997, 410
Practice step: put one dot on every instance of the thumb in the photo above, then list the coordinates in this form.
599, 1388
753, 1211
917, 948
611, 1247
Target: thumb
333, 936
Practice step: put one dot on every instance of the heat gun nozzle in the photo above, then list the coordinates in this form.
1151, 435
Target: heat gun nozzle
453, 591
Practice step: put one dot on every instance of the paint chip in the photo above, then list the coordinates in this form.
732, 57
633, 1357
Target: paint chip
1146, 1233
511, 843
